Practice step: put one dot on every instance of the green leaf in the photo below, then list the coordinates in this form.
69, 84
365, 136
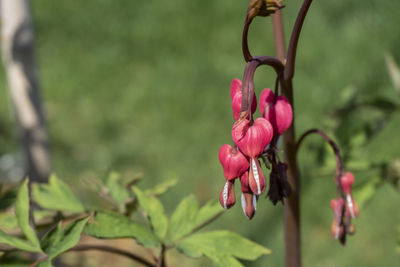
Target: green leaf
209, 211
393, 70
155, 212
113, 225
56, 196
59, 240
116, 190
187, 217
183, 219
8, 221
161, 188
17, 242
365, 192
22, 213
46, 263
222, 247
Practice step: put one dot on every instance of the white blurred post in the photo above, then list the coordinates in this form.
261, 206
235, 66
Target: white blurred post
17, 40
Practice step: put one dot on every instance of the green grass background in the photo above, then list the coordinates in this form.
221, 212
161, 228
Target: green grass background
143, 86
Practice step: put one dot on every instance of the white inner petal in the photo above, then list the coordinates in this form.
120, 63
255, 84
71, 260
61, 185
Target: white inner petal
225, 194
255, 174
254, 202
350, 205
244, 204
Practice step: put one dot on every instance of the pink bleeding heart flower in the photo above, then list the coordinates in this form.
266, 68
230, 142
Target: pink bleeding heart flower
347, 181
249, 204
337, 227
252, 138
280, 114
233, 162
227, 197
236, 97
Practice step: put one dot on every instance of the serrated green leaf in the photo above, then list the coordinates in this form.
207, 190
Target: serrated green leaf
113, 225
184, 218
161, 188
210, 210
56, 196
187, 217
221, 247
22, 212
155, 212
116, 190
17, 242
59, 240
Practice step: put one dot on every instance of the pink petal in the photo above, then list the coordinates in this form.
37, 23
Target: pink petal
252, 138
347, 181
236, 86
249, 204
233, 162
227, 196
256, 177
237, 105
280, 114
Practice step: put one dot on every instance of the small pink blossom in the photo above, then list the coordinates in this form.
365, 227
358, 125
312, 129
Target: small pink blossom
233, 162
236, 97
279, 114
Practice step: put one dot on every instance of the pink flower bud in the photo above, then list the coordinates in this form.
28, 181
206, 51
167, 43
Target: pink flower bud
233, 162
249, 204
236, 97
280, 114
244, 182
347, 181
227, 196
337, 227
252, 138
256, 177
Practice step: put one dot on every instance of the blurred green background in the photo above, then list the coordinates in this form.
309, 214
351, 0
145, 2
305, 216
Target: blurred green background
143, 87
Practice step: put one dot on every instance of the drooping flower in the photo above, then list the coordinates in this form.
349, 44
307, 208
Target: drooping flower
233, 162
347, 181
236, 97
279, 114
337, 229
252, 138
278, 185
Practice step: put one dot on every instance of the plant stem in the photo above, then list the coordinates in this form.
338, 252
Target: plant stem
115, 251
292, 203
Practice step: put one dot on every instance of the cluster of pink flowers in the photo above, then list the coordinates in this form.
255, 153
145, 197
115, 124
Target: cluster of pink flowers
251, 138
344, 208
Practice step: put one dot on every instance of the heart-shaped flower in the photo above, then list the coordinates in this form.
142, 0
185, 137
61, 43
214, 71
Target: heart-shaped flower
252, 138
233, 162
236, 97
279, 114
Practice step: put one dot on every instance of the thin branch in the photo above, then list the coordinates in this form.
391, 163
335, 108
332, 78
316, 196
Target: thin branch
294, 39
335, 148
114, 250
245, 47
161, 258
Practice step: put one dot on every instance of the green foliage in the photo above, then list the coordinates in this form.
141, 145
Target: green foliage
161, 188
116, 190
22, 213
18, 242
222, 247
59, 239
113, 225
188, 217
56, 196
154, 211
